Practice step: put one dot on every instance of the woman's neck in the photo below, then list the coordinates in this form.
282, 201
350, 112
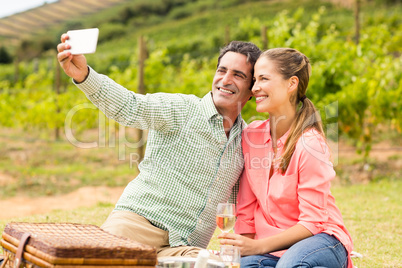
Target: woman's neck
280, 124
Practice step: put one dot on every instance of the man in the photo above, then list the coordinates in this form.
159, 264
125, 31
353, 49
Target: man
193, 157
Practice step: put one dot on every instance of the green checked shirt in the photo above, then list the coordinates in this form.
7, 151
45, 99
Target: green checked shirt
189, 165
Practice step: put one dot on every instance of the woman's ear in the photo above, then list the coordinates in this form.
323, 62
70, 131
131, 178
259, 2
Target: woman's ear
293, 84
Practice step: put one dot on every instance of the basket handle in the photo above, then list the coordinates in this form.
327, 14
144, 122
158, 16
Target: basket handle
4, 262
20, 250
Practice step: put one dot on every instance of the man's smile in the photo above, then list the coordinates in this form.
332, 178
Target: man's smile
225, 90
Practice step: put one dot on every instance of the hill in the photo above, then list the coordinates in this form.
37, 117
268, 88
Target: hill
28, 23
39, 29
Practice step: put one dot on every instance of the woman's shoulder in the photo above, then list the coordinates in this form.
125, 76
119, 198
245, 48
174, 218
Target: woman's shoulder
258, 124
255, 133
313, 134
314, 142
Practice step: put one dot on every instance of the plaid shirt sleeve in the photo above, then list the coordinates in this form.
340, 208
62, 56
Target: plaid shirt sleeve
162, 112
235, 191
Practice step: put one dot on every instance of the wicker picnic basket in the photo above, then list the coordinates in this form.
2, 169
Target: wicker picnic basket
67, 245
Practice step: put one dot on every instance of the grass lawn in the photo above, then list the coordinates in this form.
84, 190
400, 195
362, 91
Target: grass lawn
372, 213
37, 166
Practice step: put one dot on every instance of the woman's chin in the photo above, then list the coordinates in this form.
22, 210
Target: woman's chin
261, 110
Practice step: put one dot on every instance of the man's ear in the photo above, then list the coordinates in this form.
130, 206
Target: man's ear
251, 94
293, 84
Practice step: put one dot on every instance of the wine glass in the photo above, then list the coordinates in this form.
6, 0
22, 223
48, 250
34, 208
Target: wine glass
230, 255
225, 216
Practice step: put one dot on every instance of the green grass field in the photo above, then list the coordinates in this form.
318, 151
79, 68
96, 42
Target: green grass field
372, 213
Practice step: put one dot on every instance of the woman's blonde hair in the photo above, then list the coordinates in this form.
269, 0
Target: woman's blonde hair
290, 62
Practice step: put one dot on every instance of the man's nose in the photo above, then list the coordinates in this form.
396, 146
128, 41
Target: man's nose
227, 79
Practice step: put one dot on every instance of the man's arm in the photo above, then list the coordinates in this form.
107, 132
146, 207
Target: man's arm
159, 111
162, 112
233, 195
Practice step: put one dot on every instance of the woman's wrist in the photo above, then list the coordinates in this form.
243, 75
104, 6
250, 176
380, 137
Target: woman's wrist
262, 246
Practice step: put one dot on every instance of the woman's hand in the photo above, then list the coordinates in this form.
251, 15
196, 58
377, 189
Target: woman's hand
74, 66
280, 241
247, 245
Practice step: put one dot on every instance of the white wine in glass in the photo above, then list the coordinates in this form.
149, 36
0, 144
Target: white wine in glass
225, 216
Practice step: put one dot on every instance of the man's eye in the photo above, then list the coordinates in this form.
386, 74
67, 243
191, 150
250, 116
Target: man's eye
241, 76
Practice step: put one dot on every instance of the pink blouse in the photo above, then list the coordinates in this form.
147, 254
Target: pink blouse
300, 196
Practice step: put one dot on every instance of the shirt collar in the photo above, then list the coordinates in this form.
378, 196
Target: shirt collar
208, 106
210, 111
267, 135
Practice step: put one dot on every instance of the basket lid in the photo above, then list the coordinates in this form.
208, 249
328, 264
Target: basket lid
72, 240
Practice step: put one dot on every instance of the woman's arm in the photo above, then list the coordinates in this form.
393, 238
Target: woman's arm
315, 175
283, 240
245, 206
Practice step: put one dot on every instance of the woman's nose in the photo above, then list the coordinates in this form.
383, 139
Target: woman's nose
255, 88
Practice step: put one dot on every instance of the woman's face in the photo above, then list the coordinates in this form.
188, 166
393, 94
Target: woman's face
270, 90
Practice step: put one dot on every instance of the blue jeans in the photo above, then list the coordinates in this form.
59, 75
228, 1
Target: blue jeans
320, 250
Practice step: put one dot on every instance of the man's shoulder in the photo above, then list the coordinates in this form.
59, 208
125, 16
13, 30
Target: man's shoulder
176, 97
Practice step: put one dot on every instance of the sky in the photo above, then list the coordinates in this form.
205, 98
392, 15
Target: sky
10, 7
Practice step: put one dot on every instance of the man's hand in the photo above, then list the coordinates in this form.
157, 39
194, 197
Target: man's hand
75, 66
247, 245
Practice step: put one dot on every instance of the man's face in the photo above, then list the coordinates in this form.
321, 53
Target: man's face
231, 84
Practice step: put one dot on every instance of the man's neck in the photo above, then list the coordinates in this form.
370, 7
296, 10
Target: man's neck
228, 123
229, 118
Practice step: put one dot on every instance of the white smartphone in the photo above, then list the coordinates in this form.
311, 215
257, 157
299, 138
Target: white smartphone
83, 41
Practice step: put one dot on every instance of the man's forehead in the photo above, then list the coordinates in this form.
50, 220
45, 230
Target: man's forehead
234, 56
235, 61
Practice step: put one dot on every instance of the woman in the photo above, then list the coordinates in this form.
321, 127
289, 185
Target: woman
287, 216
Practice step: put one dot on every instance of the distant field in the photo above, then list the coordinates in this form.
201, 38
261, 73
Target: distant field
25, 24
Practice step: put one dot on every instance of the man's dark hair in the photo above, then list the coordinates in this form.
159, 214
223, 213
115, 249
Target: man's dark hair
250, 50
